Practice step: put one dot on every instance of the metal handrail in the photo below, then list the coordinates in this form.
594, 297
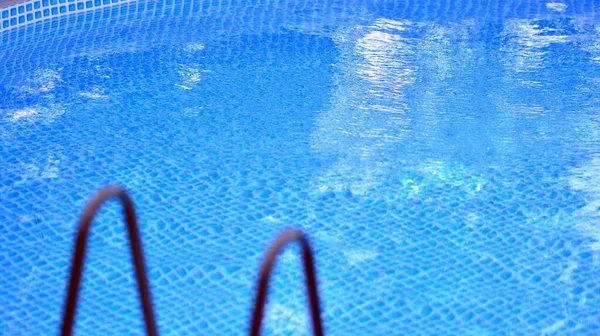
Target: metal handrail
142, 280
309, 273
136, 251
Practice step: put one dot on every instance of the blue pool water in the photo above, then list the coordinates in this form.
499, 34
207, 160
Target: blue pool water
443, 157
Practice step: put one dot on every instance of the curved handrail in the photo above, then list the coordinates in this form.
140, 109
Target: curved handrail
136, 251
309, 271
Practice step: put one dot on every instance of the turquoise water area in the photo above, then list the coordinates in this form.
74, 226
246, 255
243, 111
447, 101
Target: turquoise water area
443, 157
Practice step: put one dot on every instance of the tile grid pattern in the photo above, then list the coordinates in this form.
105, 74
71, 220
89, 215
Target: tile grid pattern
425, 263
34, 11
116, 11
31, 12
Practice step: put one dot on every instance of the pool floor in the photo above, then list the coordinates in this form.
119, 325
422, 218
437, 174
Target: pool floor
444, 163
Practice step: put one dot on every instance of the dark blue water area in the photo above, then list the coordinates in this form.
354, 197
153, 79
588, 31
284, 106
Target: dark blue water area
445, 167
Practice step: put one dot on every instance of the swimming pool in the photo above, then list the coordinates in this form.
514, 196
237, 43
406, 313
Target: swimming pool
443, 157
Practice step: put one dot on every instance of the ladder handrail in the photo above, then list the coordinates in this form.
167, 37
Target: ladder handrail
309, 272
142, 279
136, 251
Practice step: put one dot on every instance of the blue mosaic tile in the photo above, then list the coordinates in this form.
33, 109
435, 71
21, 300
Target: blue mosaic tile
427, 216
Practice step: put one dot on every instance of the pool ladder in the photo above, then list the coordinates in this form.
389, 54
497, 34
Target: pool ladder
142, 280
